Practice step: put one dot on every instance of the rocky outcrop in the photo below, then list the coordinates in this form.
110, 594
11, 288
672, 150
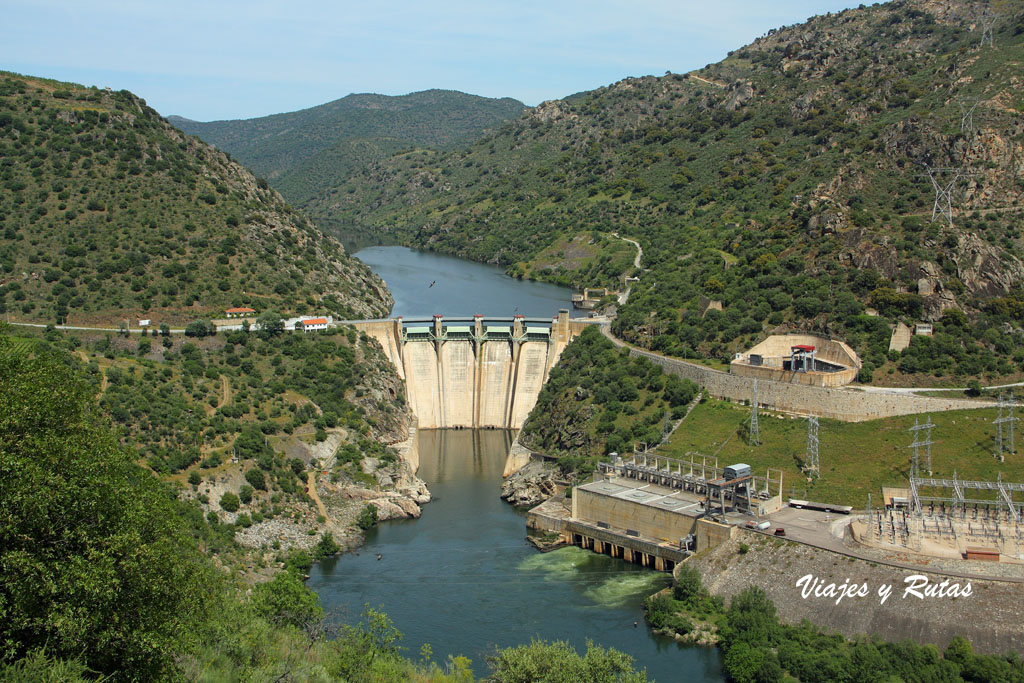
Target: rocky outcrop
531, 485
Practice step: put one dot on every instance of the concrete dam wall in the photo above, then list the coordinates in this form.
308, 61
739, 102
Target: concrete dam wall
488, 374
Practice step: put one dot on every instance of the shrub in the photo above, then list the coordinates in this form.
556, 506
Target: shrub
229, 502
256, 479
367, 518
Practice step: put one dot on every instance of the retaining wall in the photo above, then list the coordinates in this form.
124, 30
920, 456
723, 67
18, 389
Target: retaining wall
847, 405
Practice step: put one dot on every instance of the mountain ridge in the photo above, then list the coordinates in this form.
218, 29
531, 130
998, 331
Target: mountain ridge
109, 212
798, 165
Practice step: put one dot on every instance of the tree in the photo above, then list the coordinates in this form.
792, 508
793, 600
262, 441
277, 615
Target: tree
229, 502
97, 564
688, 584
255, 477
367, 518
200, 328
270, 324
286, 600
245, 494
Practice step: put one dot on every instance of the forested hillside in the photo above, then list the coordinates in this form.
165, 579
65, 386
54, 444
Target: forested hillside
308, 153
108, 213
789, 181
104, 575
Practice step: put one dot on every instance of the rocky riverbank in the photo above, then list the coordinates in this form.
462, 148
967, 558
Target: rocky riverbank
531, 485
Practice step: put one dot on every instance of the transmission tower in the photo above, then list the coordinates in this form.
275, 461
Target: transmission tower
755, 434
967, 118
986, 20
811, 467
1004, 440
915, 463
943, 191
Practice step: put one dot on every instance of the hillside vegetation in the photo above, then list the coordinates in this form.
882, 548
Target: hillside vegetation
599, 400
308, 153
788, 181
108, 213
104, 578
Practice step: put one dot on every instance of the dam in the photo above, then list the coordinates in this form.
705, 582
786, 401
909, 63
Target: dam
473, 372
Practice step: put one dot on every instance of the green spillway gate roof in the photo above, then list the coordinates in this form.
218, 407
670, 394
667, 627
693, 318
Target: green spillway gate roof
417, 330
500, 330
458, 329
538, 330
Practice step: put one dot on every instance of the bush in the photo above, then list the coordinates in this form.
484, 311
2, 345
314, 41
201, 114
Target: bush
245, 494
367, 518
256, 479
286, 600
229, 502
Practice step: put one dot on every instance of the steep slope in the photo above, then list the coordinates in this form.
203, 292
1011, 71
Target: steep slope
789, 181
304, 153
107, 212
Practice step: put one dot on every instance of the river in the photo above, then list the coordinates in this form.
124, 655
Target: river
424, 283
462, 578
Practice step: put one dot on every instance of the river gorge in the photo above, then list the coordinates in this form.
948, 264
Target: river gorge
462, 578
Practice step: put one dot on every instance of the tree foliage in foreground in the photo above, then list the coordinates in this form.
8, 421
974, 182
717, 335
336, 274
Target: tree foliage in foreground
758, 649
94, 561
558, 662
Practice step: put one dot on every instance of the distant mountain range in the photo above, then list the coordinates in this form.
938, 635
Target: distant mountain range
790, 182
305, 153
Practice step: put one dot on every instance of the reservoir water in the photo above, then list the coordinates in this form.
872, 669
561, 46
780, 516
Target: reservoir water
462, 578
460, 288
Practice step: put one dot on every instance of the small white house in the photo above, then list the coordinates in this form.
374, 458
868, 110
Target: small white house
313, 324
144, 323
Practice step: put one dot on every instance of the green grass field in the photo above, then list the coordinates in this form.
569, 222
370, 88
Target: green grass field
855, 458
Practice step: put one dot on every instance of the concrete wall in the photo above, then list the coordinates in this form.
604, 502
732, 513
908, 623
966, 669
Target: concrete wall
773, 374
458, 383
386, 332
711, 534
422, 382
495, 388
531, 373
464, 383
840, 404
992, 617
624, 514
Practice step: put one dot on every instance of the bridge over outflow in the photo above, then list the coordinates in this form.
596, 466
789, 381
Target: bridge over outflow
473, 372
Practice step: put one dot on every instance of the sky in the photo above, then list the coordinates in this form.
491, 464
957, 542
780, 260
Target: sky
226, 59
